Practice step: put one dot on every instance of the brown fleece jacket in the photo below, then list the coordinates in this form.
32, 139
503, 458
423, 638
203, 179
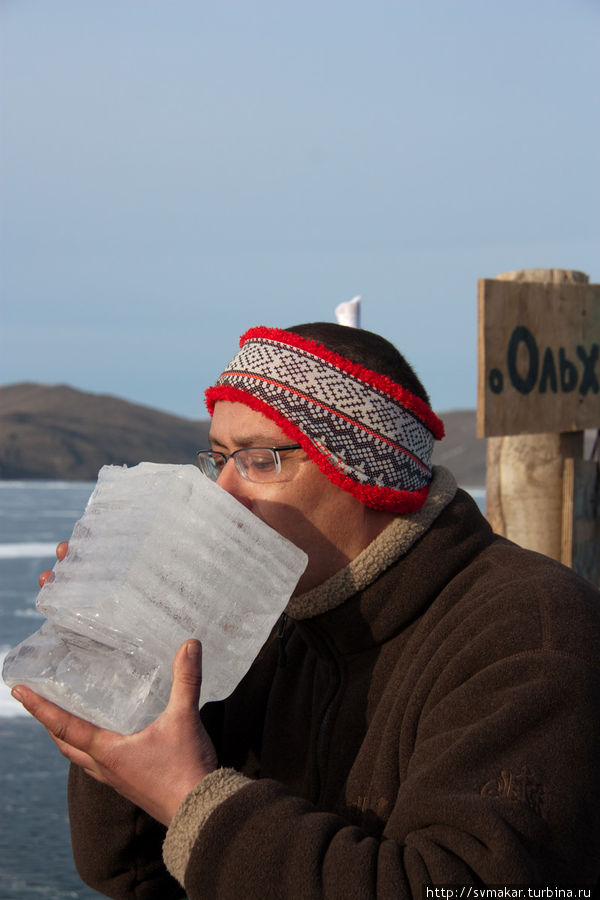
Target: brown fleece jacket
441, 725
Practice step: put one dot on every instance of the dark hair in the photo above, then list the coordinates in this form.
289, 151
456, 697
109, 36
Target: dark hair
365, 348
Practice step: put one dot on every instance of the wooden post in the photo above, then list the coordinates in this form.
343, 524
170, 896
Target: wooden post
524, 487
581, 518
524, 480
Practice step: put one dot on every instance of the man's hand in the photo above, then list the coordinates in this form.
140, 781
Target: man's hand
154, 768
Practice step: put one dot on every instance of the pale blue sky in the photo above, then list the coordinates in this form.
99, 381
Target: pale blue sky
176, 171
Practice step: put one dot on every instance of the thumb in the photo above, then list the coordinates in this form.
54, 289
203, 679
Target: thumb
187, 678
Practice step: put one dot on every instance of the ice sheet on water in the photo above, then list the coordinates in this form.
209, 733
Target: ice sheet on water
160, 554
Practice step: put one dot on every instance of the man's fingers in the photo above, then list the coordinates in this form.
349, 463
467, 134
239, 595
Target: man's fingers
61, 551
63, 726
187, 678
78, 757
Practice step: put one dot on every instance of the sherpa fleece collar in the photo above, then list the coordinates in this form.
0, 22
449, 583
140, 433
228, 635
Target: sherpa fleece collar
395, 541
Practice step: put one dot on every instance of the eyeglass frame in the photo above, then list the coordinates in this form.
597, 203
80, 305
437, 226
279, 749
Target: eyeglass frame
238, 465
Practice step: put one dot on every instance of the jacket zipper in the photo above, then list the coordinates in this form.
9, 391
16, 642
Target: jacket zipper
319, 750
281, 651
321, 742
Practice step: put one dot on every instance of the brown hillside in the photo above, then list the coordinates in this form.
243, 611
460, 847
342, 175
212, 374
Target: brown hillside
55, 431
461, 450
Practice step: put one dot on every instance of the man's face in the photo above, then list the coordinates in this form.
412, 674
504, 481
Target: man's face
329, 524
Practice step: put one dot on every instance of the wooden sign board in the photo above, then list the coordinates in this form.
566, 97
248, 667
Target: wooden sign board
538, 357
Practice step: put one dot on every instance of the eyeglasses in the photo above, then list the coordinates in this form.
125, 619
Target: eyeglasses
259, 464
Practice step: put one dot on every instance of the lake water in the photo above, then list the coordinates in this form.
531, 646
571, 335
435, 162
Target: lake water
35, 849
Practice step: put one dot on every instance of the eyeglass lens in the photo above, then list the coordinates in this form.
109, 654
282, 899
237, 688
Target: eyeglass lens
253, 463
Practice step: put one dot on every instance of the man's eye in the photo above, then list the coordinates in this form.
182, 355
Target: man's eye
261, 463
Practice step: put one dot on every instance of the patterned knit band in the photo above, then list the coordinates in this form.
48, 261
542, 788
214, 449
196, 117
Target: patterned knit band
368, 435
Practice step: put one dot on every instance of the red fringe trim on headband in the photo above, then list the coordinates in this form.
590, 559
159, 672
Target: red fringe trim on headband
371, 495
375, 379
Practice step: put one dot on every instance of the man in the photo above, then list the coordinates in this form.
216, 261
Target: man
426, 712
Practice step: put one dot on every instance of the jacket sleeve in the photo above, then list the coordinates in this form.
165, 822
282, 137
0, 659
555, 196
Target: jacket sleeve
116, 846
501, 788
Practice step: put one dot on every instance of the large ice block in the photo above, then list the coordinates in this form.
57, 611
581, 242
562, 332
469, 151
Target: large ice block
160, 554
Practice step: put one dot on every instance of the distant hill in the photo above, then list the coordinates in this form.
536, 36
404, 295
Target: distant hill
461, 450
58, 432
55, 431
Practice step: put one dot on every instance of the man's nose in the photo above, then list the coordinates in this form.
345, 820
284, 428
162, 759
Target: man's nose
231, 481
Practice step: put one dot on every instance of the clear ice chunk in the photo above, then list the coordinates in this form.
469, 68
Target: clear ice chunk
160, 554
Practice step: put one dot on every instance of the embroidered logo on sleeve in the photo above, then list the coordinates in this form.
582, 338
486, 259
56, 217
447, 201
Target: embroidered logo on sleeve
520, 787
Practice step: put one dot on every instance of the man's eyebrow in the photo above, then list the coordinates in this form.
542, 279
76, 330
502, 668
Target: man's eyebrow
251, 440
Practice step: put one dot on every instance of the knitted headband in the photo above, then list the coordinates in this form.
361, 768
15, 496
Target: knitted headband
367, 434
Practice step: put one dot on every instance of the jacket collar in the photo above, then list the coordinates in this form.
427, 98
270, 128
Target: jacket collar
393, 543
